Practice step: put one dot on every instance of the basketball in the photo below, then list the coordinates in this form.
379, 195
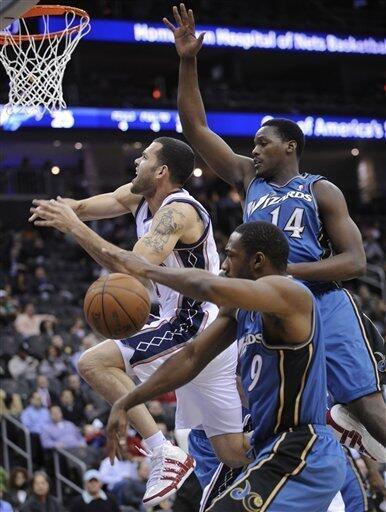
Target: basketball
116, 306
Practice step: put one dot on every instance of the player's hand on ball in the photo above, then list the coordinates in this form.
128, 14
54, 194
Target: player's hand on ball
54, 214
187, 44
116, 432
129, 263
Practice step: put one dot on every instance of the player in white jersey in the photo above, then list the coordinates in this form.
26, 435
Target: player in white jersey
174, 230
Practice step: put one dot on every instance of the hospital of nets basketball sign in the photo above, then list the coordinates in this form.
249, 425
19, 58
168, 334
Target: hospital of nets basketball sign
231, 37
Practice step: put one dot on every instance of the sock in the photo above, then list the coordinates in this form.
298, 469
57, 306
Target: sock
157, 439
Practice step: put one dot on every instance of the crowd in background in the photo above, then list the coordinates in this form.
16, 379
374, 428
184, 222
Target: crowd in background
44, 277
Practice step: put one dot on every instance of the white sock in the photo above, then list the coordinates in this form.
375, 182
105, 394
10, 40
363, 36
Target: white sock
157, 439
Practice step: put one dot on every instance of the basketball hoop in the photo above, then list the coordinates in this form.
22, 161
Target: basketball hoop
35, 63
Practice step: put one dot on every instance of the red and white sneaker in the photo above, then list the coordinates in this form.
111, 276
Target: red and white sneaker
352, 434
171, 466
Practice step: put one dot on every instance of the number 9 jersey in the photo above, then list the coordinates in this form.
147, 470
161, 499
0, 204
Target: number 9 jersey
285, 384
293, 208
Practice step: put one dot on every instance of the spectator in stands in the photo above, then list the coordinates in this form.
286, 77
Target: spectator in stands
28, 322
8, 307
59, 433
35, 416
48, 327
130, 491
17, 487
373, 250
3, 479
23, 365
48, 397
57, 341
53, 365
37, 250
5, 506
78, 329
40, 499
41, 285
71, 410
114, 474
93, 499
10, 403
80, 395
94, 434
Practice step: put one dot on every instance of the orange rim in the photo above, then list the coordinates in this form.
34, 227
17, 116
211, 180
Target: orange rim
48, 10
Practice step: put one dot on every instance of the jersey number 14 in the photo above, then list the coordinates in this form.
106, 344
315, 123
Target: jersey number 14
294, 223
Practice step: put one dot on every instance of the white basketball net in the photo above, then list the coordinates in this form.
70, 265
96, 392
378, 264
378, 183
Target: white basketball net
36, 67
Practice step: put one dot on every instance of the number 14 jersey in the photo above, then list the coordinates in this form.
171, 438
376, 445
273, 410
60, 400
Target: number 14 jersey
293, 208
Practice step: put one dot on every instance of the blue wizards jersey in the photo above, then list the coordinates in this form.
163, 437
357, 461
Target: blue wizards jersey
291, 207
285, 384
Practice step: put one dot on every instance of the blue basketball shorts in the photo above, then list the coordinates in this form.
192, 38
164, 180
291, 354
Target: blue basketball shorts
298, 471
354, 488
351, 365
206, 461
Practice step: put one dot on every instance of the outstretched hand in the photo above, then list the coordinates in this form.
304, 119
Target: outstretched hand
187, 44
54, 214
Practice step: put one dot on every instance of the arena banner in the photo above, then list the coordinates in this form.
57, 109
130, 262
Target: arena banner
232, 124
232, 37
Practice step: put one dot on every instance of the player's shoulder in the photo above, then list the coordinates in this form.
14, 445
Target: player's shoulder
288, 286
177, 214
326, 192
312, 178
185, 205
281, 280
178, 205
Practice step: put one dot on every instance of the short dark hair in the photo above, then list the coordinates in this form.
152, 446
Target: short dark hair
267, 238
179, 158
288, 130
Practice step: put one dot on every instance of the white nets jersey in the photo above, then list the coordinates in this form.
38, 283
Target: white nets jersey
210, 401
202, 254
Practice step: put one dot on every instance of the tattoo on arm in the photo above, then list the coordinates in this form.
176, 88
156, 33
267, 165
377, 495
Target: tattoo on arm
169, 222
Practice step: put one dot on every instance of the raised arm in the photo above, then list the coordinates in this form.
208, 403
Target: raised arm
235, 169
102, 206
349, 260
